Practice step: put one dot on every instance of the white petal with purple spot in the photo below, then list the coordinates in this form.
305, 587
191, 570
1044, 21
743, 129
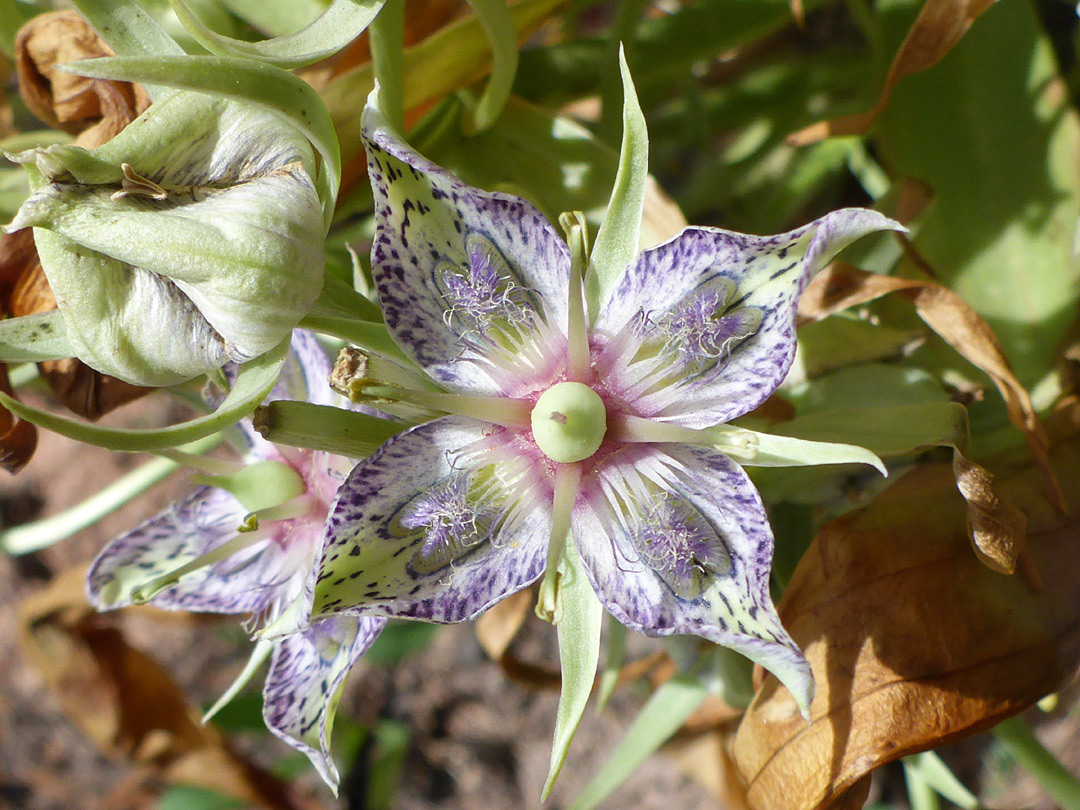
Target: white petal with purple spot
473, 285
701, 329
303, 686
667, 556
442, 522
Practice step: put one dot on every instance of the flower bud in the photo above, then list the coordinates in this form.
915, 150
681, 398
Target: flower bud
192, 238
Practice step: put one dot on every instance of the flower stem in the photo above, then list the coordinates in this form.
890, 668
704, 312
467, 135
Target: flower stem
1018, 739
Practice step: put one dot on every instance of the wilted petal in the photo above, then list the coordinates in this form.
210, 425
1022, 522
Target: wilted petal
667, 556
704, 325
441, 523
467, 279
303, 686
190, 528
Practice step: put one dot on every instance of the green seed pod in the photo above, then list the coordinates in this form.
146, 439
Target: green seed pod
193, 238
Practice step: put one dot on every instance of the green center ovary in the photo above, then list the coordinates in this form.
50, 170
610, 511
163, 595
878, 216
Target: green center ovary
569, 421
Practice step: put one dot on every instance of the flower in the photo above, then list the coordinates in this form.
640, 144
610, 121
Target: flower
201, 217
251, 550
610, 430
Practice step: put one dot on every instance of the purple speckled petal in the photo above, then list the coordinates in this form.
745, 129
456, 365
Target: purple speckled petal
303, 686
442, 522
188, 529
471, 282
677, 542
713, 313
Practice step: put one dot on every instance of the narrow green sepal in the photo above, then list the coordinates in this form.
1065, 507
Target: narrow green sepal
579, 654
253, 382
617, 242
754, 449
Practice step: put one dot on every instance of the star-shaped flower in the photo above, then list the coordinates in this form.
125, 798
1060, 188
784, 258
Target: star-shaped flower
205, 553
609, 429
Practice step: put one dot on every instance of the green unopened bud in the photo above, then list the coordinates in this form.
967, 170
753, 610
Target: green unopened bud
193, 238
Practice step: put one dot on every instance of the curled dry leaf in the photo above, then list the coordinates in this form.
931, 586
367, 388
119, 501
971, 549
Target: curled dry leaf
841, 286
912, 642
128, 705
94, 109
936, 30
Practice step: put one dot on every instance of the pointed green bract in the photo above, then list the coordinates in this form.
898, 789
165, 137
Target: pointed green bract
254, 381
755, 449
617, 242
579, 653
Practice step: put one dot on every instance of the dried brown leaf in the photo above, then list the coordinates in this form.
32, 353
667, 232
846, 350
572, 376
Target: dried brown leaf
912, 641
128, 705
497, 627
18, 438
840, 286
937, 29
94, 109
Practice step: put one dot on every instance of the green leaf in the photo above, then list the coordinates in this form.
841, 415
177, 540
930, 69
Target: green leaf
254, 381
33, 338
936, 774
389, 749
12, 17
661, 717
887, 430
1018, 739
613, 661
277, 19
331, 31
441, 64
398, 640
495, 17
990, 132
243, 80
579, 653
617, 242
191, 797
130, 31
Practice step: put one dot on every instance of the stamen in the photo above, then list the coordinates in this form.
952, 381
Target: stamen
372, 380
148, 590
578, 355
567, 485
627, 428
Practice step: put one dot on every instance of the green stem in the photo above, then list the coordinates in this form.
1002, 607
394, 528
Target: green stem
616, 654
1018, 739
387, 32
367, 335
41, 534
